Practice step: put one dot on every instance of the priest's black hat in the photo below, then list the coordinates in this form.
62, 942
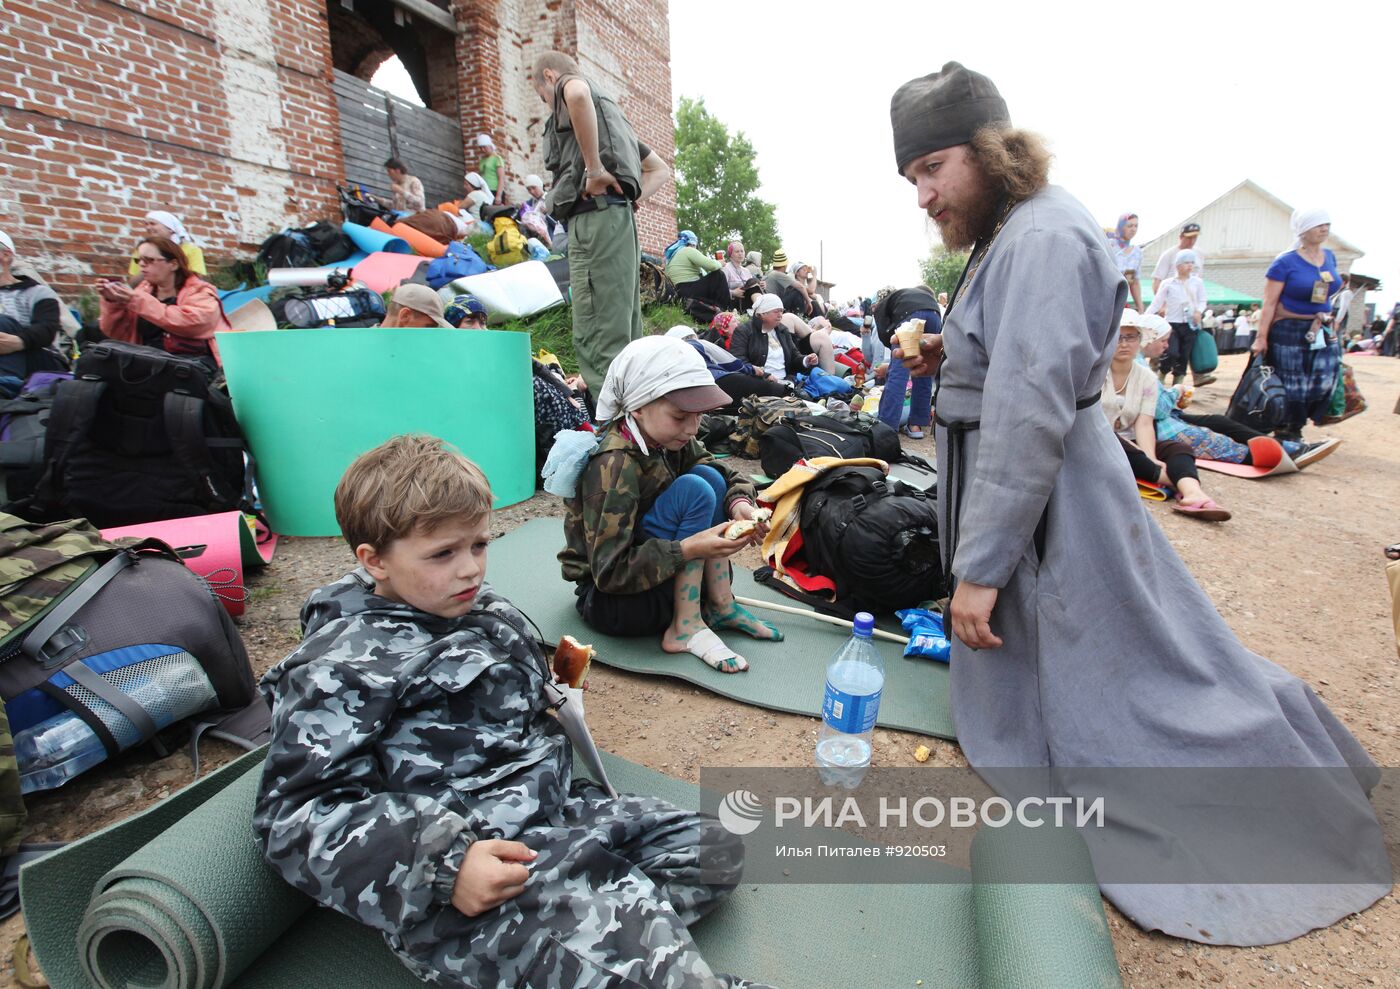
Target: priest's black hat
941, 110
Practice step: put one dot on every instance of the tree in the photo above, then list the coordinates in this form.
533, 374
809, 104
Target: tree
717, 184
942, 268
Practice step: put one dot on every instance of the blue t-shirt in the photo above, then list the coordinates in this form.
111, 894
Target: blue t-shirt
1298, 277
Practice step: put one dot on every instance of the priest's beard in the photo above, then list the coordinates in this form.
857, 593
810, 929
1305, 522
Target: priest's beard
970, 217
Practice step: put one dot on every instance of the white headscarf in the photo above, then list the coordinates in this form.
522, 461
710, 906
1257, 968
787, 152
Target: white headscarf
6, 242
645, 370
178, 233
681, 332
765, 303
1153, 328
475, 180
1304, 220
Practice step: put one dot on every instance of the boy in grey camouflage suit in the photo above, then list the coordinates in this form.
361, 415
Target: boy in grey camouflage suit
417, 782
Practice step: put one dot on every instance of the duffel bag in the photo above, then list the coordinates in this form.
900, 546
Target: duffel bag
103, 645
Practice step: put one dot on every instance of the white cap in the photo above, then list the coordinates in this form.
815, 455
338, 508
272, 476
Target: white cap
533, 180
485, 141
6, 242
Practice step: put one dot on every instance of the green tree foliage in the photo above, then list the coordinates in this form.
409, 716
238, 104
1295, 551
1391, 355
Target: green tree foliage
717, 184
941, 269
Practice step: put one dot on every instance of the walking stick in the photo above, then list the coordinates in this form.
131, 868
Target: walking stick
817, 616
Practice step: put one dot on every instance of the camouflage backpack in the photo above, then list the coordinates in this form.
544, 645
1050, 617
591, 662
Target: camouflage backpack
757, 415
120, 635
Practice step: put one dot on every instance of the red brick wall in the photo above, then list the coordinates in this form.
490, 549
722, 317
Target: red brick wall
222, 111
111, 108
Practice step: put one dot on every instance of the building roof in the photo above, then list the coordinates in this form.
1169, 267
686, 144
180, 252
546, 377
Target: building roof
1255, 187
1216, 295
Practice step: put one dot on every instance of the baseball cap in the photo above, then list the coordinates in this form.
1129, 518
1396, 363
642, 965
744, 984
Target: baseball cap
1190, 228
701, 398
423, 300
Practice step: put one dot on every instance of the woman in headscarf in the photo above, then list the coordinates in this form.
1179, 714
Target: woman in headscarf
159, 223
696, 275
172, 308
1295, 323
645, 529
1127, 255
736, 378
767, 344
743, 286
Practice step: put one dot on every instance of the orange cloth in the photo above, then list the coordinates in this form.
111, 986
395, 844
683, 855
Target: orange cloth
418, 240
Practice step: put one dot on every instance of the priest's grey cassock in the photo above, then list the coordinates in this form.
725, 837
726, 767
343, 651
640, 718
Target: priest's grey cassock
1113, 656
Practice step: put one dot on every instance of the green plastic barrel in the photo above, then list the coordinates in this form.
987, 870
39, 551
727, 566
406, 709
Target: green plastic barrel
311, 401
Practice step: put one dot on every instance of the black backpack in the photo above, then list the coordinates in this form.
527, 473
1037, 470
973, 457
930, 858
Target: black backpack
288, 249
875, 537
328, 242
848, 435
139, 435
24, 422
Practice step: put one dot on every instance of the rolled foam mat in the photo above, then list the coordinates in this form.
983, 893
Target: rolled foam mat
200, 871
217, 547
419, 241
383, 271
372, 240
310, 401
783, 676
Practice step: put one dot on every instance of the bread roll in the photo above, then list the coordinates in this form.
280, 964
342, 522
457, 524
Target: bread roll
571, 659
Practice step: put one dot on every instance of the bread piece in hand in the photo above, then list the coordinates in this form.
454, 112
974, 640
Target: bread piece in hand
571, 659
740, 528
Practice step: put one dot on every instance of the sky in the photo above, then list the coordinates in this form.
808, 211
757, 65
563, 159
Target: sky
1151, 108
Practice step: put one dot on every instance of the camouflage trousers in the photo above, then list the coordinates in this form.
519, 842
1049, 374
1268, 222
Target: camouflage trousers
607, 905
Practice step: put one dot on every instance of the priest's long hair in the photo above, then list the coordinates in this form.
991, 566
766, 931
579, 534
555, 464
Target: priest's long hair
1015, 162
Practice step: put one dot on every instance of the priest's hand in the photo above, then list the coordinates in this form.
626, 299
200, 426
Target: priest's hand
971, 612
926, 361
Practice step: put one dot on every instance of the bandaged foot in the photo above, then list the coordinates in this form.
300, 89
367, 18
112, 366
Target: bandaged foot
739, 618
709, 649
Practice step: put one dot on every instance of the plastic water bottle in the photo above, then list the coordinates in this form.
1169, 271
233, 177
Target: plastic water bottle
854, 682
53, 751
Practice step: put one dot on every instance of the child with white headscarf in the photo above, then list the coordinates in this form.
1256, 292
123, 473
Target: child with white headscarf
645, 531
160, 223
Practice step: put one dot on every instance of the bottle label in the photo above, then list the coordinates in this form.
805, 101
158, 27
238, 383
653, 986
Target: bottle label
851, 714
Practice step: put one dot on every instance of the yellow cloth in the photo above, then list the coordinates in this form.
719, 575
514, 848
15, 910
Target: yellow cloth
193, 254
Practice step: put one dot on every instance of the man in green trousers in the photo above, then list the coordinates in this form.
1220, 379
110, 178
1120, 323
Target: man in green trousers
601, 171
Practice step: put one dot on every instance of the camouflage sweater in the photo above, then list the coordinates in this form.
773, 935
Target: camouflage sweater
603, 536
398, 739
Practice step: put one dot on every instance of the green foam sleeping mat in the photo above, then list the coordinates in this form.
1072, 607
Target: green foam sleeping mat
782, 676
178, 897
310, 401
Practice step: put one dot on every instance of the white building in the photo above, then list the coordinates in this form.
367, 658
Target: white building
1241, 234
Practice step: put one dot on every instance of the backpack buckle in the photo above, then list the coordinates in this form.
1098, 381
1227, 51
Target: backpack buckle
858, 502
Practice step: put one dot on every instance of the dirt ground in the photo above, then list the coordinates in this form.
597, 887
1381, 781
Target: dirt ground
1298, 574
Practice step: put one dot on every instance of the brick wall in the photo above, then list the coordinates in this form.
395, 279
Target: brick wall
111, 108
222, 111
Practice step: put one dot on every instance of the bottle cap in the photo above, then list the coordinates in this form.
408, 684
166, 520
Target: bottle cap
864, 624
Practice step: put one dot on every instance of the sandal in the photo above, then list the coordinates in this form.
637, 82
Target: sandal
711, 650
1206, 511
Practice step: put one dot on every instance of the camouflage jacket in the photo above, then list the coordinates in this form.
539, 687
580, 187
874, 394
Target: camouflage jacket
603, 536
398, 739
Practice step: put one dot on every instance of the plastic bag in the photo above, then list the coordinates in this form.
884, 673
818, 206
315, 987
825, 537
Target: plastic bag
567, 458
926, 637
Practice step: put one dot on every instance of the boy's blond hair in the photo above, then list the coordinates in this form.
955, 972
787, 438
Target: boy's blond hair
556, 60
411, 482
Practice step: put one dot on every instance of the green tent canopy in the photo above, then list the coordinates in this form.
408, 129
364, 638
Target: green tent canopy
1216, 295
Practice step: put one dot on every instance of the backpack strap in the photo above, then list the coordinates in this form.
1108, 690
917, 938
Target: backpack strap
65, 608
71, 418
247, 727
184, 426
